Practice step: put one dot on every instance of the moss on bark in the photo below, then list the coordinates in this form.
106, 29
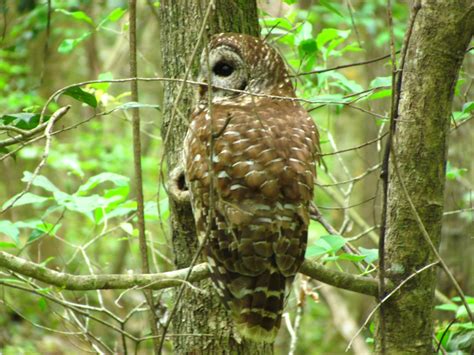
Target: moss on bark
441, 34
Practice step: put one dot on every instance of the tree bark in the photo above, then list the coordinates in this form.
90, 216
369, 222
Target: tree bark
441, 34
200, 315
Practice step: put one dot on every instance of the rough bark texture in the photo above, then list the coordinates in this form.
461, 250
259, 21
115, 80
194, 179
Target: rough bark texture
442, 32
201, 315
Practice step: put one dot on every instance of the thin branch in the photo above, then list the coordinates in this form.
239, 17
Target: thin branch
137, 159
319, 71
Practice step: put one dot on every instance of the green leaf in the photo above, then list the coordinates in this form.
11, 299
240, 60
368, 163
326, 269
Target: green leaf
351, 257
453, 173
39, 181
77, 15
468, 107
7, 245
460, 115
43, 228
67, 45
27, 199
102, 86
381, 81
308, 46
469, 299
82, 96
462, 311
22, 120
116, 179
371, 255
447, 307
43, 306
380, 94
10, 230
114, 16
326, 244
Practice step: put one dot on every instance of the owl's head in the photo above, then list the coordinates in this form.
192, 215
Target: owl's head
242, 62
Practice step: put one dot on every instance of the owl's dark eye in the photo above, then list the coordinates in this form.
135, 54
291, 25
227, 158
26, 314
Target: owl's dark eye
223, 69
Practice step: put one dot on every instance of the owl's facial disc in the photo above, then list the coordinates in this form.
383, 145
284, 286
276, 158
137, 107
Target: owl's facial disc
227, 71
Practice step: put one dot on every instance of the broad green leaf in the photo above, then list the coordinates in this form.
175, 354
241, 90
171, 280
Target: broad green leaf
7, 245
42, 304
39, 181
43, 228
381, 81
67, 45
114, 16
344, 83
468, 107
10, 230
447, 307
462, 311
27, 199
116, 179
77, 15
330, 34
304, 32
119, 211
371, 255
380, 94
469, 299
22, 120
460, 115
308, 46
326, 244
453, 173
336, 242
82, 96
351, 257
102, 86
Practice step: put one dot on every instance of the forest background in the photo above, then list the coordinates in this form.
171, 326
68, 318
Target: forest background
68, 189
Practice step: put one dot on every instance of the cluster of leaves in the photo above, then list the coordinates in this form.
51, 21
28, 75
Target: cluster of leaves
456, 336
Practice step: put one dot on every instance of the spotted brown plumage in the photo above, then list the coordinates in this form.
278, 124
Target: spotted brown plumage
262, 168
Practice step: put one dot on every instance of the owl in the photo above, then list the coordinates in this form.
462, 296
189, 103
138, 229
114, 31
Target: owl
250, 167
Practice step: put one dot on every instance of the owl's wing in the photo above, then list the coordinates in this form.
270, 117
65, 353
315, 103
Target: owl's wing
263, 165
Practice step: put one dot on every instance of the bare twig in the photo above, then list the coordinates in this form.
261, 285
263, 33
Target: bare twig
319, 71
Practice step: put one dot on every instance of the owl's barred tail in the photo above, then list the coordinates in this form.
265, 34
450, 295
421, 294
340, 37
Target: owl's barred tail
257, 312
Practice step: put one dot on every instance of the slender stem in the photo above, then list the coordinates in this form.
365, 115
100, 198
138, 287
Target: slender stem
138, 168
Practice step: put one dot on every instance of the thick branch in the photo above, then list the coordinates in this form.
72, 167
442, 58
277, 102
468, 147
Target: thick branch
164, 280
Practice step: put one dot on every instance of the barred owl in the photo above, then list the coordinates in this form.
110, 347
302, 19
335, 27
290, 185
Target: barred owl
258, 179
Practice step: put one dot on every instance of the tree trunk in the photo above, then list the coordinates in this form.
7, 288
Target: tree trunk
201, 318
441, 34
